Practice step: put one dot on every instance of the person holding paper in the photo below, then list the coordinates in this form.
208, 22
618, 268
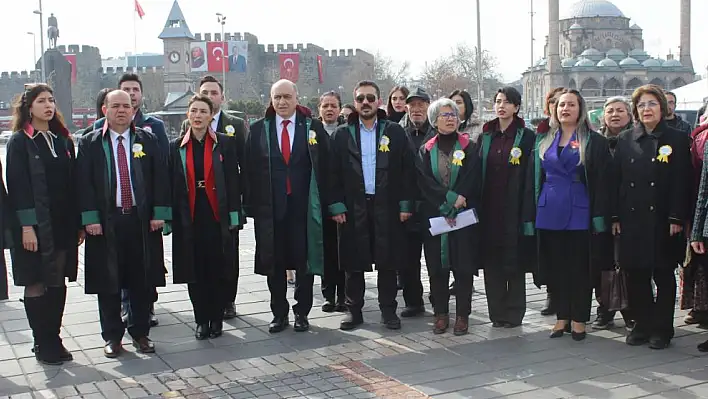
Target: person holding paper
567, 203
450, 180
372, 185
505, 147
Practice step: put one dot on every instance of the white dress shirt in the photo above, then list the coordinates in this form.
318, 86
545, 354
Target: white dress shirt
215, 121
291, 131
128, 155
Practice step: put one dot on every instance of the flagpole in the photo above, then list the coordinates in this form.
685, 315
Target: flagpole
135, 37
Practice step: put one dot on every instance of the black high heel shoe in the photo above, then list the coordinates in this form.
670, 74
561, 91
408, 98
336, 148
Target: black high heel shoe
559, 333
578, 336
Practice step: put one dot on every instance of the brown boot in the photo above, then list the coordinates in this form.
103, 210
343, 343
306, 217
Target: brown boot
461, 325
442, 322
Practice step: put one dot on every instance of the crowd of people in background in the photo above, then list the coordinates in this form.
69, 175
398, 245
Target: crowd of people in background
350, 192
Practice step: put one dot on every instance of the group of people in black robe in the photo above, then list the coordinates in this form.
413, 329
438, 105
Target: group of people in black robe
334, 198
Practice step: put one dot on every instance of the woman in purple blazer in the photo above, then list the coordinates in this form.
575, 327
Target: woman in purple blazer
568, 203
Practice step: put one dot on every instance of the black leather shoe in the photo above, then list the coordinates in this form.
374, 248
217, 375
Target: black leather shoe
301, 323
65, 355
144, 345
153, 319
391, 321
328, 306
230, 311
657, 342
511, 325
351, 321
578, 336
340, 307
112, 349
278, 324
413, 311
216, 329
498, 324
636, 339
202, 332
557, 333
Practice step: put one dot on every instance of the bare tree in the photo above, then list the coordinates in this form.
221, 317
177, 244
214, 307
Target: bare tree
464, 60
440, 77
389, 73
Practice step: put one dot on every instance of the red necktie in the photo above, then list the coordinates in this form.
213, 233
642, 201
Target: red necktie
285, 148
126, 197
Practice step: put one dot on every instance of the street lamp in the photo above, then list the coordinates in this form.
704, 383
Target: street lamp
221, 19
479, 63
34, 53
41, 39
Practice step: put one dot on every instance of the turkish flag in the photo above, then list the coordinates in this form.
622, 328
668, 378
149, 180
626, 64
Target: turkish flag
139, 9
217, 56
72, 60
290, 66
320, 71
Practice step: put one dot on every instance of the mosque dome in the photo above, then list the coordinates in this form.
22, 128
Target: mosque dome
607, 63
584, 62
651, 63
568, 62
629, 61
673, 63
591, 9
590, 52
615, 52
576, 26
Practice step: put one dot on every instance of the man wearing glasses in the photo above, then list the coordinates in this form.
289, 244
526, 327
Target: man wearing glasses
372, 187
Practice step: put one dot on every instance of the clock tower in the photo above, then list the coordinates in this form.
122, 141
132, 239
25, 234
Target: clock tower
177, 37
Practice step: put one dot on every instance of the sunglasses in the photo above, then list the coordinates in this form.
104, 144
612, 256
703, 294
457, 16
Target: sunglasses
369, 97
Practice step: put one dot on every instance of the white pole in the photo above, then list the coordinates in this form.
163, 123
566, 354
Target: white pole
480, 105
135, 38
41, 40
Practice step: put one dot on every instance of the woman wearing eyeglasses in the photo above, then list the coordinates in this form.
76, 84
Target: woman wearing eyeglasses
652, 206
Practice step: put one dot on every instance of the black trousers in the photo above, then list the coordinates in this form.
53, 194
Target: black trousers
386, 281
653, 316
290, 257
440, 290
131, 268
410, 272
568, 255
333, 278
506, 290
231, 289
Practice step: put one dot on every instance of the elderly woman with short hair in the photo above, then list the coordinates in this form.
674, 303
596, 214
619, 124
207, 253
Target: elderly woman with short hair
653, 189
450, 181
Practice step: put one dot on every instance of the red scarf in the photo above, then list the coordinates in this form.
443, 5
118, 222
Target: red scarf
208, 176
462, 138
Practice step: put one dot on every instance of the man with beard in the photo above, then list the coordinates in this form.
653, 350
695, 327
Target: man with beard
224, 122
415, 123
333, 278
373, 179
285, 167
131, 84
124, 198
674, 120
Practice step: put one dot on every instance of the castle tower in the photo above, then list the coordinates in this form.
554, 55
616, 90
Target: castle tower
176, 37
685, 46
554, 61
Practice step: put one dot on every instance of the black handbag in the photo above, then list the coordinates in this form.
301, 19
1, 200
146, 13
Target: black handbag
613, 290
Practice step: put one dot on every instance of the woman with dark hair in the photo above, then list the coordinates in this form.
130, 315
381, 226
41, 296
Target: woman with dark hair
652, 206
346, 110
100, 99
396, 104
42, 193
468, 124
206, 206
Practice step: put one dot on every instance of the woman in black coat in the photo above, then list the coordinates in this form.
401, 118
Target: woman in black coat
653, 185
46, 227
450, 182
206, 206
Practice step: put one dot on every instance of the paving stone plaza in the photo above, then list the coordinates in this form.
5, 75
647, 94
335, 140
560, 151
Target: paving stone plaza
371, 362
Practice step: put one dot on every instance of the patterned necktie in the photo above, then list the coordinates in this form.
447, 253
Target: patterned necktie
126, 196
285, 148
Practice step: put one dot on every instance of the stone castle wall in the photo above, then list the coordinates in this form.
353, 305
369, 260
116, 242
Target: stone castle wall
341, 68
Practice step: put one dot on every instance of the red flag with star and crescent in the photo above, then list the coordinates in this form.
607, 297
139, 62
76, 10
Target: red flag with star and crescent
217, 56
139, 9
290, 66
320, 70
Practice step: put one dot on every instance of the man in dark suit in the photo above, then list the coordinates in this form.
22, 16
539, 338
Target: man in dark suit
285, 177
231, 125
131, 84
124, 198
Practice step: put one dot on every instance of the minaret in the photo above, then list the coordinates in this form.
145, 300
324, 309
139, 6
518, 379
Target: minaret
685, 46
177, 38
554, 62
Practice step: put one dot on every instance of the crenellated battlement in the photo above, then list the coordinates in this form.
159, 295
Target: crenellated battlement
21, 76
130, 69
78, 49
236, 36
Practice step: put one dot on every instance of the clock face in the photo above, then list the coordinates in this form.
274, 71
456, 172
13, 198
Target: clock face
174, 57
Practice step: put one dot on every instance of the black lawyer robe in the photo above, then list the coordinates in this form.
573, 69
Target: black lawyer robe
650, 195
395, 193
31, 202
520, 250
228, 195
258, 193
459, 249
97, 182
598, 178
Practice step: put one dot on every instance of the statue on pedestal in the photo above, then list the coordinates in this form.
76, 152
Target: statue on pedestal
52, 31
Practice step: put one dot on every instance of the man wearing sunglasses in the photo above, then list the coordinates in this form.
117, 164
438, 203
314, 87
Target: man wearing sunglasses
372, 184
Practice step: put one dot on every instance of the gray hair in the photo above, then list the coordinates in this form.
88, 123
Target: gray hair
618, 99
436, 106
